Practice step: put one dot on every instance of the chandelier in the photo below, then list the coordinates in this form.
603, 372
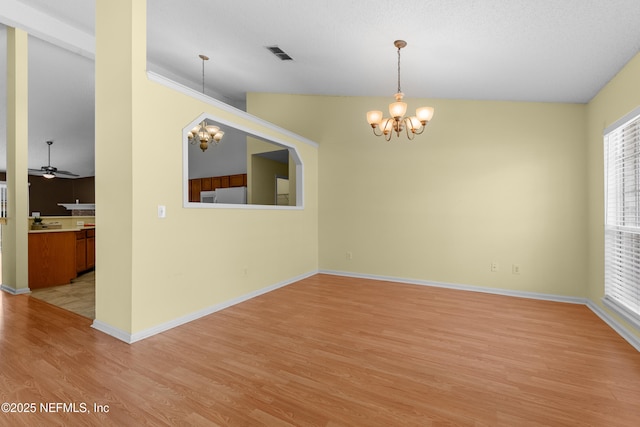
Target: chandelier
386, 126
205, 133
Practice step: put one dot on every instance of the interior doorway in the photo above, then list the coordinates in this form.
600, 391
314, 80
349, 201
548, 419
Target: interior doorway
282, 190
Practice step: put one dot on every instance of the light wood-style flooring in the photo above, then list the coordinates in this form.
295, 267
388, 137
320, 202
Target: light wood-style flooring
329, 351
78, 297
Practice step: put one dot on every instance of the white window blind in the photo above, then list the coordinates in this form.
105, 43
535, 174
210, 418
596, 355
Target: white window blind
622, 217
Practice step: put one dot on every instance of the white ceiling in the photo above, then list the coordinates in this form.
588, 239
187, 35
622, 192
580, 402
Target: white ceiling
521, 50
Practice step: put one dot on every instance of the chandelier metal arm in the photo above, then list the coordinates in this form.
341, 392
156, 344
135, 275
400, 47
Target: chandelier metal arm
407, 125
422, 128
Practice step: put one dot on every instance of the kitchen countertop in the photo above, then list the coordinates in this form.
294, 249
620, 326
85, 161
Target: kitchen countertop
60, 230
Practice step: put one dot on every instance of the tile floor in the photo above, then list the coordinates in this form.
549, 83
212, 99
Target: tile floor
78, 297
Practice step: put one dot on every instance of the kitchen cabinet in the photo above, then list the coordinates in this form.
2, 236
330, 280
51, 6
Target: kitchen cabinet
205, 184
239, 180
81, 251
196, 185
91, 248
85, 250
220, 182
52, 258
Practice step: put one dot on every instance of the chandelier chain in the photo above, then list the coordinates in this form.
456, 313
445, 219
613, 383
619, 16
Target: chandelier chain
205, 133
399, 71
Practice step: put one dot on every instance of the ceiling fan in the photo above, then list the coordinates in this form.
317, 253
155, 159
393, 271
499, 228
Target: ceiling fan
51, 171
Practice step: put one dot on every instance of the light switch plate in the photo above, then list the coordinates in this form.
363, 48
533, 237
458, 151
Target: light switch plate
162, 211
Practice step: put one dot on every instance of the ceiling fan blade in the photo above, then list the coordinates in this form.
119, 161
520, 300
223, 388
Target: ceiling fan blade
66, 173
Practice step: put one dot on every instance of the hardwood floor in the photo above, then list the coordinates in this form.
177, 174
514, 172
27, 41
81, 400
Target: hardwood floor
329, 351
78, 297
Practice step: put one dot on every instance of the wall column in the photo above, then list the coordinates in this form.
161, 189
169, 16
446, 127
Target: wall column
15, 250
120, 53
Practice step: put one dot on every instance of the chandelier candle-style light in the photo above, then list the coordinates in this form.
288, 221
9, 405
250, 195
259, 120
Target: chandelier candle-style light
414, 125
204, 133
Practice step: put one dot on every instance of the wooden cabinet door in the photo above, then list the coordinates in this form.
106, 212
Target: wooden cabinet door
236, 180
216, 182
195, 188
91, 248
205, 184
81, 251
51, 259
91, 252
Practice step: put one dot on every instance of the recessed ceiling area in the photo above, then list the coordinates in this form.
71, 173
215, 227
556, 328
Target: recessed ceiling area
517, 50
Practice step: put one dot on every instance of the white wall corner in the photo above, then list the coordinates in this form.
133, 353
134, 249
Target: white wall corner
112, 330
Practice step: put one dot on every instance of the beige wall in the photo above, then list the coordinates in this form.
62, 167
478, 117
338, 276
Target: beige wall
153, 270
618, 98
512, 182
263, 184
487, 181
261, 173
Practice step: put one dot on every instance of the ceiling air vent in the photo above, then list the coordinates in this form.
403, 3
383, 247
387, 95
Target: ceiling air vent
280, 53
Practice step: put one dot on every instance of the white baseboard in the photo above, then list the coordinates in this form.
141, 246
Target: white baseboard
507, 292
621, 329
112, 330
615, 325
14, 291
131, 338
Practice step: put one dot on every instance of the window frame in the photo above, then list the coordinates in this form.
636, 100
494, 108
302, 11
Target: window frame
621, 238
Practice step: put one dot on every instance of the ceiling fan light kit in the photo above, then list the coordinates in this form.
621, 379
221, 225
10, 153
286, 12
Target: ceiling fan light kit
386, 126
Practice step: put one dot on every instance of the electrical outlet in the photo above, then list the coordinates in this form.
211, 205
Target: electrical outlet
494, 266
515, 269
349, 255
